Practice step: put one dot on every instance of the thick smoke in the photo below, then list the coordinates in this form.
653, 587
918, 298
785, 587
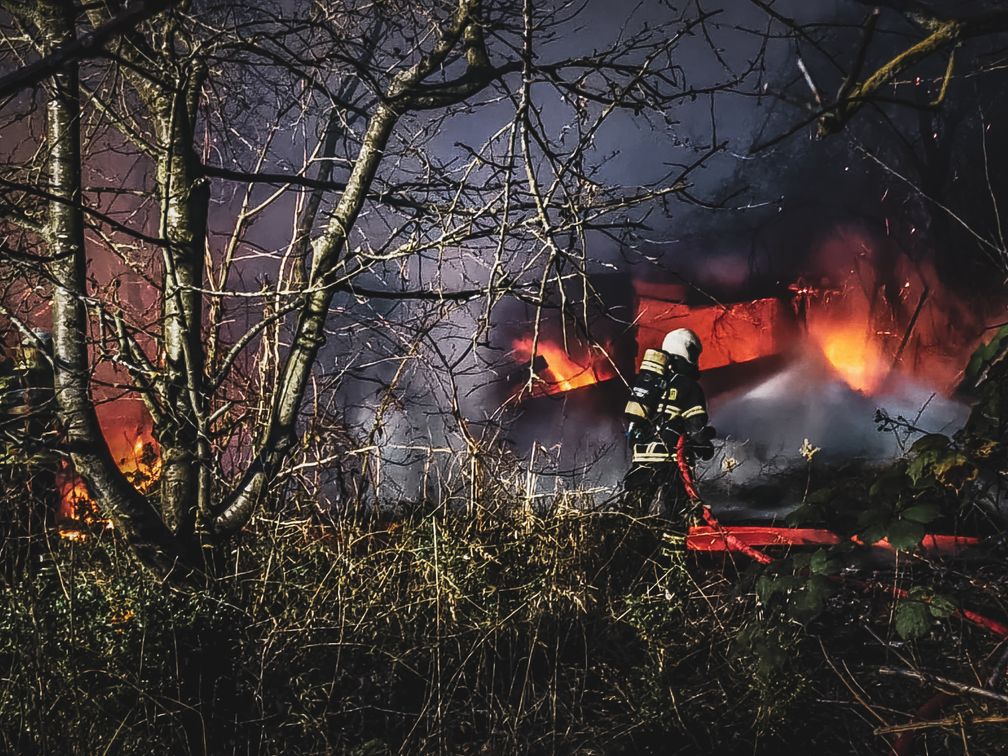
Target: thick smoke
819, 210
766, 426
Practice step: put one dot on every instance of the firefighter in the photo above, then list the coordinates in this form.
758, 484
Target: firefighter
665, 403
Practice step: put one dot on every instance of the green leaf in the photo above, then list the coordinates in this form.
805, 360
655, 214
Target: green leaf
913, 619
888, 484
984, 355
821, 563
767, 587
941, 606
812, 600
922, 513
921, 468
954, 470
801, 561
984, 448
905, 534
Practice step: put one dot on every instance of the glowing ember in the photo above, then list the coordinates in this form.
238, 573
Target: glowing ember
77, 508
561, 372
139, 460
853, 353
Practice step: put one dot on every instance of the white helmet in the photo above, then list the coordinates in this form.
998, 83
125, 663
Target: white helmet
684, 343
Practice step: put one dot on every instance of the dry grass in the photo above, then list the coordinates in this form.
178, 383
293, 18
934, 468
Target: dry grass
563, 632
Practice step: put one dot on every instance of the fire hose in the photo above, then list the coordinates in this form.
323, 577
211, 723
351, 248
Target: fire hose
732, 543
904, 743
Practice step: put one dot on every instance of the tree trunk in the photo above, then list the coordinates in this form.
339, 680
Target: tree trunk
135, 518
184, 201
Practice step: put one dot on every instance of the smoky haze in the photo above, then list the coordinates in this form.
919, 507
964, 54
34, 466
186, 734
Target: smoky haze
759, 209
774, 210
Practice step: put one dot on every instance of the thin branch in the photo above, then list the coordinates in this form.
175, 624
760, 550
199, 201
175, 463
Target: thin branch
89, 44
938, 680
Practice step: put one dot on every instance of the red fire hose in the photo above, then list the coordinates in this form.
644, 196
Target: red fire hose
905, 742
732, 543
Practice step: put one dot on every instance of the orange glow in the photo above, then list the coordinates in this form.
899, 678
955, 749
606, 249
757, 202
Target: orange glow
730, 334
561, 371
75, 499
77, 508
875, 311
138, 458
143, 465
853, 353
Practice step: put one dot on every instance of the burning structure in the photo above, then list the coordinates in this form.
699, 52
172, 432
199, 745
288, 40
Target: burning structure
868, 323
871, 323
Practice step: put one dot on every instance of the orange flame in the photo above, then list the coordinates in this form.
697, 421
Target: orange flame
562, 372
140, 462
878, 312
853, 352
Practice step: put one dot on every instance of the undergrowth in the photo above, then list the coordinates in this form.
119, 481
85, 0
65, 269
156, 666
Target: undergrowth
562, 631
572, 632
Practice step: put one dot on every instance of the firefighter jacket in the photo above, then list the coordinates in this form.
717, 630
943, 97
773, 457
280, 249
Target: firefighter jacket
681, 409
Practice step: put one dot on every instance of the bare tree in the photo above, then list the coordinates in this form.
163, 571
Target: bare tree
172, 141
913, 88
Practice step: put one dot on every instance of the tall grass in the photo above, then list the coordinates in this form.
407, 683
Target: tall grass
434, 633
566, 632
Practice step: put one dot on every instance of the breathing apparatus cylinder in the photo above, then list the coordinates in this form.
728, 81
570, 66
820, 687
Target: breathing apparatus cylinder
649, 387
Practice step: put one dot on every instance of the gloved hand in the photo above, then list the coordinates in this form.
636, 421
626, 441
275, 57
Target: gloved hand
702, 443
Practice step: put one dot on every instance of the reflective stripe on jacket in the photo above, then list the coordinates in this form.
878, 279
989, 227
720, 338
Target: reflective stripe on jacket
683, 409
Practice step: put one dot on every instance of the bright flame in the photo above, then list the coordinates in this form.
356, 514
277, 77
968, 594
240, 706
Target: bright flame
77, 508
853, 353
561, 373
875, 311
139, 460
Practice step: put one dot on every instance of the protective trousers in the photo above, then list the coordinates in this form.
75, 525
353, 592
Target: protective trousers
656, 488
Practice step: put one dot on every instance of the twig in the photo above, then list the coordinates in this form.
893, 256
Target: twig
938, 680
952, 721
86, 46
910, 327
